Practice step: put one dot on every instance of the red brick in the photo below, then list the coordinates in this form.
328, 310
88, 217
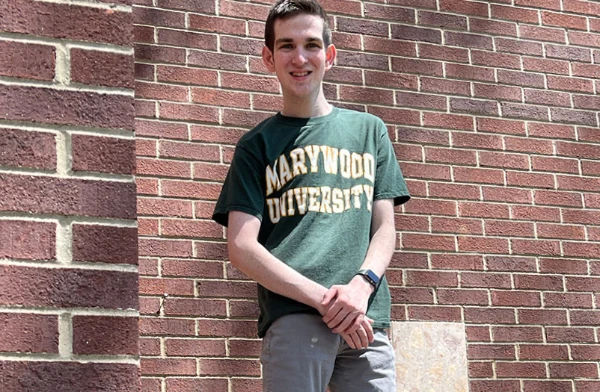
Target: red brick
162, 168
213, 23
567, 83
363, 26
184, 228
586, 102
495, 385
425, 171
568, 53
454, 191
501, 126
210, 250
385, 45
551, 98
520, 370
518, 46
569, 335
561, 231
103, 154
518, 78
186, 384
517, 14
581, 249
157, 286
478, 333
448, 121
44, 105
150, 346
587, 386
465, 7
435, 313
483, 210
585, 70
424, 136
448, 21
52, 287
525, 179
563, 20
168, 366
516, 110
543, 352
550, 164
195, 347
412, 222
491, 351
244, 348
468, 72
164, 207
412, 295
540, 33
568, 300
63, 376
227, 328
157, 247
503, 160
462, 297
468, 40
362, 60
101, 68
476, 175
222, 367
516, 298
502, 263
408, 259
480, 369
408, 152
577, 183
440, 52
456, 225
452, 87
25, 60
564, 266
574, 116
387, 79
167, 327
498, 92
223, 61
29, 333
517, 334
250, 309
105, 244
542, 317
489, 315
420, 67
48, 195
455, 261
194, 307
64, 21
504, 194
552, 131
430, 206
535, 247
367, 95
406, 99
27, 149
444, 155
105, 335
27, 240
537, 282
493, 27
573, 370
589, 217
146, 186
482, 244
427, 241
509, 229
585, 353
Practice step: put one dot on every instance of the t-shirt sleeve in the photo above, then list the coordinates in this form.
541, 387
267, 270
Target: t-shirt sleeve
242, 189
389, 181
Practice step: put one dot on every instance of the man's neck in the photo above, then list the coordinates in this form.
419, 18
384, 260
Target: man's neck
319, 108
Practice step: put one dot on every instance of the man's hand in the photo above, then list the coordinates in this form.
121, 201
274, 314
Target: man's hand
362, 337
347, 311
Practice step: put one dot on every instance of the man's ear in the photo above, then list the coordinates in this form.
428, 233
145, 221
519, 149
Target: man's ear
268, 60
330, 55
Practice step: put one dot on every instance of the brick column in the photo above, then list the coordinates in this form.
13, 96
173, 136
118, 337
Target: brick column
68, 235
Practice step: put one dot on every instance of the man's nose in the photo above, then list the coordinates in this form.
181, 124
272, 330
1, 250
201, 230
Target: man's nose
299, 57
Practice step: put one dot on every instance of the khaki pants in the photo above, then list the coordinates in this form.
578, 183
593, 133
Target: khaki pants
301, 354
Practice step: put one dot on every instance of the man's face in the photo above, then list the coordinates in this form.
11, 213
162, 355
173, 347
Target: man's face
299, 56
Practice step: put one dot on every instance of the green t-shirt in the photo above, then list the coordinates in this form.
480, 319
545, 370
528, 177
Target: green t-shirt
312, 183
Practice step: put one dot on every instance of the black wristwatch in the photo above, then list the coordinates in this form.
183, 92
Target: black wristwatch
370, 277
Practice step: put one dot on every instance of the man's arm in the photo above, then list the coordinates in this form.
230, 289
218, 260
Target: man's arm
253, 259
351, 300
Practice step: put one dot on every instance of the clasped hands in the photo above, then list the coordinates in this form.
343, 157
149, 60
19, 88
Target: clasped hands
344, 310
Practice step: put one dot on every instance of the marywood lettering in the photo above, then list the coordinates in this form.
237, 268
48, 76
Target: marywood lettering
324, 199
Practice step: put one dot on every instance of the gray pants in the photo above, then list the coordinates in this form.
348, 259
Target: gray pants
300, 354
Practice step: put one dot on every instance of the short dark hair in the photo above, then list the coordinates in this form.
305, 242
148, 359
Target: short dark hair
283, 9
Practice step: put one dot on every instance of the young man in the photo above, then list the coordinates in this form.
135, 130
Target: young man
309, 204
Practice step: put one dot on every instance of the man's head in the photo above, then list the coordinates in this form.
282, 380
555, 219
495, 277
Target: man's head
283, 9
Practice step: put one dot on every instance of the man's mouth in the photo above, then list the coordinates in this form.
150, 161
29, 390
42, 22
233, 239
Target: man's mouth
300, 74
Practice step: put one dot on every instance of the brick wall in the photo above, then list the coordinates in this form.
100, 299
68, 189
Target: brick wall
492, 109
68, 237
